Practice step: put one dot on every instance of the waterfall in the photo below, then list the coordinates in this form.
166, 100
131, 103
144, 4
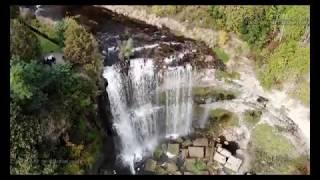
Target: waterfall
138, 117
178, 89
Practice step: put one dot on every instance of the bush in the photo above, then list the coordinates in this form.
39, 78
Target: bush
252, 117
222, 118
223, 38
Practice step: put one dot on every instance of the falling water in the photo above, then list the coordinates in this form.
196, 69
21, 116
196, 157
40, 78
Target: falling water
139, 119
178, 89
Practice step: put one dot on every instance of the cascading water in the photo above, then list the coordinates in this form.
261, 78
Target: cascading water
140, 120
178, 89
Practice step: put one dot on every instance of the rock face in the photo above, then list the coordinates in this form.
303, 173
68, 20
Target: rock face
196, 152
150, 165
200, 142
173, 149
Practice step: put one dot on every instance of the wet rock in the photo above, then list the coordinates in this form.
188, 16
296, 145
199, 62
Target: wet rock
197, 152
186, 143
179, 140
150, 165
161, 171
261, 99
231, 146
189, 164
173, 149
184, 153
157, 153
171, 167
200, 142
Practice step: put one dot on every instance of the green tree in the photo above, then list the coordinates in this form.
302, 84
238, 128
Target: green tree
23, 42
80, 46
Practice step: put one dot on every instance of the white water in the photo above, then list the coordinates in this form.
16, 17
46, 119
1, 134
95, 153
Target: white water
137, 115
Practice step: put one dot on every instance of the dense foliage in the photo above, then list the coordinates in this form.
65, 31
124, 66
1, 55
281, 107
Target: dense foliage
52, 108
80, 46
23, 42
277, 35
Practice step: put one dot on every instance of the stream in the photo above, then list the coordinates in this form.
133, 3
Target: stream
152, 100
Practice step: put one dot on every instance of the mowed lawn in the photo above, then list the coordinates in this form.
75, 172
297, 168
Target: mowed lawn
47, 46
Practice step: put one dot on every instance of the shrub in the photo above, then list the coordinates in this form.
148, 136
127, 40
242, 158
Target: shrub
251, 117
223, 38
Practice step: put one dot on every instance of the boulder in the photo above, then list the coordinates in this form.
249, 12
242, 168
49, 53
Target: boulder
159, 170
177, 173
200, 142
179, 140
186, 143
189, 164
173, 149
150, 165
219, 158
187, 173
184, 153
233, 163
208, 152
196, 152
171, 167
225, 152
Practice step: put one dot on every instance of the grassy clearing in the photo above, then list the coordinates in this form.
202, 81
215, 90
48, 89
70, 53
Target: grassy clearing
221, 118
271, 141
47, 46
274, 153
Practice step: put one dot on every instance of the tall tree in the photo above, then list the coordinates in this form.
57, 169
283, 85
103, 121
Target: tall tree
23, 42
